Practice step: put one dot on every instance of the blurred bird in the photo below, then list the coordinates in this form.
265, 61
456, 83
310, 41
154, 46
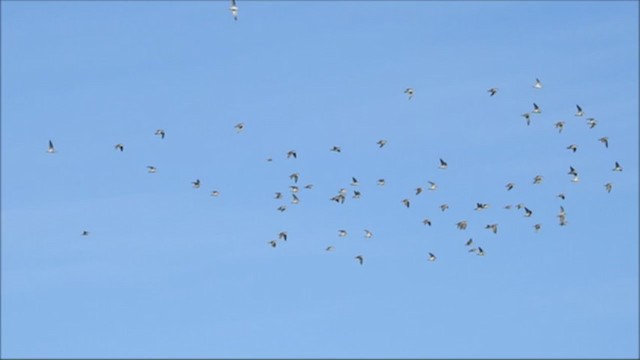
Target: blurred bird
561, 196
510, 186
591, 122
409, 92
492, 91
432, 257
151, 169
480, 206
508, 207
336, 149
426, 222
617, 167
444, 207
308, 186
608, 187
234, 10
367, 234
329, 248
160, 133
294, 177
273, 243
480, 251
462, 225
360, 259
215, 193
292, 153
536, 109
537, 227
572, 147
381, 182
560, 126
356, 194
572, 171
338, 198
443, 164
294, 189
239, 127
579, 112
605, 141
85, 233
432, 185
418, 190
295, 199
278, 195
51, 149
354, 181
538, 84
282, 208
342, 233
469, 242
527, 212
282, 235
406, 203
527, 117
537, 179
575, 178
119, 147
492, 227
196, 184
382, 143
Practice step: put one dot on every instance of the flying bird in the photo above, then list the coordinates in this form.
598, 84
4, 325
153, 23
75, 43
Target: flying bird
492, 91
469, 242
418, 190
572, 147
51, 149
151, 169
443, 164
561, 196
367, 234
538, 84
356, 194
160, 133
432, 257
85, 233
329, 248
492, 227
510, 186
308, 186
527, 212
480, 251
537, 179
426, 222
294, 189
282, 235
360, 259
432, 185
560, 126
527, 117
381, 182
282, 208
572, 171
608, 187
406, 203
292, 153
273, 243
278, 195
617, 167
215, 193
119, 147
354, 181
294, 199
234, 10
591, 122
342, 233
336, 149
605, 141
196, 184
481, 206
462, 225
294, 177
536, 109
409, 92
537, 227
382, 143
579, 112
239, 127
444, 207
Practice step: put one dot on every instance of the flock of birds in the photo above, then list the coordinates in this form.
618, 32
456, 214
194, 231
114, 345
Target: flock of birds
342, 193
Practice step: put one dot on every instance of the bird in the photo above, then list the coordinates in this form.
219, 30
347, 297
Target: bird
538, 84
336, 149
196, 184
579, 112
367, 234
537, 227
537, 179
444, 207
294, 177
160, 132
354, 181
617, 167
234, 10
356, 194
215, 193
51, 149
409, 92
572, 147
295, 199
469, 242
481, 206
338, 198
329, 248
382, 143
536, 109
432, 257
561, 196
85, 233
273, 243
381, 182
292, 153
426, 222
462, 225
360, 259
432, 185
575, 178
492, 91
294, 189
342, 233
605, 141
510, 186
308, 186
527, 212
278, 195
443, 164
492, 227
406, 203
282, 208
507, 206
151, 169
572, 171
282, 235
519, 206
560, 126
119, 147
608, 187
418, 190
480, 251
239, 127
527, 117
591, 122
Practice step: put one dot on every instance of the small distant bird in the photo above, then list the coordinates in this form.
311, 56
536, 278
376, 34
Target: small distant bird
536, 109
294, 177
308, 186
367, 234
473, 250
519, 206
336, 149
338, 198
406, 203
215, 193
561, 196
282, 208
119, 147
409, 92
426, 222
591, 122
605, 141
269, 159
360, 259
480, 251
234, 10
160, 133
537, 179
418, 190
527, 212
462, 225
575, 178
381, 182
329, 248
282, 235
608, 187
273, 243
432, 257
527, 117
492, 227
538, 84
492, 91
510, 186
342, 233
151, 169
469, 242
294, 199
196, 184
444, 207
443, 164
537, 227
278, 195
572, 147
292, 153
356, 194
382, 143
432, 185
617, 167
560, 126
294, 189
579, 112
239, 127
85, 233
508, 207
51, 149
481, 206
354, 181
572, 171
342, 192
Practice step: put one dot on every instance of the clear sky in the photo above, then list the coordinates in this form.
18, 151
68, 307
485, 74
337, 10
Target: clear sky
168, 270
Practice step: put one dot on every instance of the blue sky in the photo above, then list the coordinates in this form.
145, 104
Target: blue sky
170, 271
